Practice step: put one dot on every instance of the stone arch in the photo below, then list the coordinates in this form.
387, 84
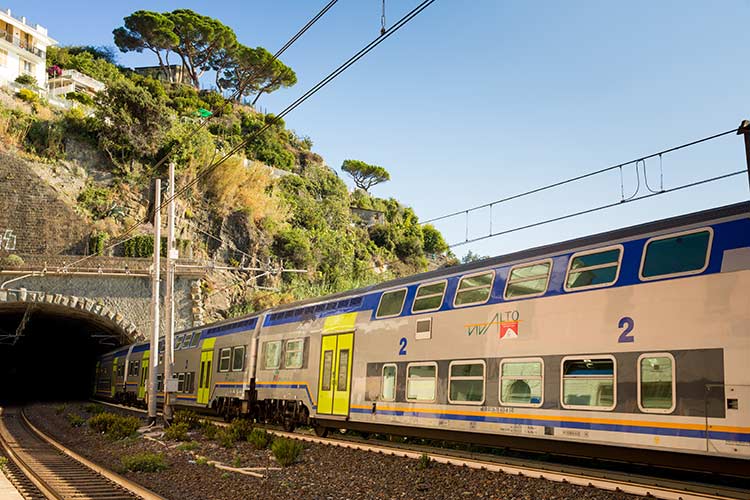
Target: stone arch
113, 320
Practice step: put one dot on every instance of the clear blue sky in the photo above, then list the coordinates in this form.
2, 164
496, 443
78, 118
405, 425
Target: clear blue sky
476, 100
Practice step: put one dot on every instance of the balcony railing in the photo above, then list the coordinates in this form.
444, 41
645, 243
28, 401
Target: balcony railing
16, 41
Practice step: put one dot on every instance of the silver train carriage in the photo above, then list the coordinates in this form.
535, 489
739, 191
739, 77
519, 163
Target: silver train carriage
621, 344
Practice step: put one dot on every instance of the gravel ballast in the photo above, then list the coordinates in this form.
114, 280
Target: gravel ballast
322, 472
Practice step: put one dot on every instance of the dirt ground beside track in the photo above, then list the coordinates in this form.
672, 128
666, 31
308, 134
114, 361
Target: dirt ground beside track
322, 472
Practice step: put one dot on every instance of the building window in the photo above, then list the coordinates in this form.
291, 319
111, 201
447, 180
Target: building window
391, 303
271, 354
474, 289
466, 382
294, 353
528, 280
521, 382
589, 383
593, 269
3, 57
238, 358
27, 67
388, 383
225, 356
676, 255
656, 383
421, 381
429, 297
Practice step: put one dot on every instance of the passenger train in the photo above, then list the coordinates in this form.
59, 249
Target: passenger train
632, 344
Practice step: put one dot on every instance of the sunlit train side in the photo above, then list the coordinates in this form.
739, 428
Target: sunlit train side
617, 344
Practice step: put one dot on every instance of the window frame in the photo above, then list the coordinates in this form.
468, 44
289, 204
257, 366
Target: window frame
528, 264
229, 359
178, 340
467, 276
583, 253
663, 411
500, 381
583, 358
265, 347
244, 356
442, 296
302, 350
382, 380
706, 262
451, 378
434, 394
403, 301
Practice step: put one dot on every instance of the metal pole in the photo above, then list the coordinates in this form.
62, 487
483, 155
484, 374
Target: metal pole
169, 305
155, 278
745, 130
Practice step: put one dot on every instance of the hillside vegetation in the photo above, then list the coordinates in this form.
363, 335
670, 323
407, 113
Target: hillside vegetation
274, 201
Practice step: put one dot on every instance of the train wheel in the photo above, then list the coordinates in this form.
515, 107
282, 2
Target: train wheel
289, 425
320, 430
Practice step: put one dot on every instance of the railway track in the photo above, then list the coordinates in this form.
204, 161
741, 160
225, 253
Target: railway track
647, 486
41, 468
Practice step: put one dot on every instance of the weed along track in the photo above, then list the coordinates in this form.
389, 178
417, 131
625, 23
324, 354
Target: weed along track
55, 471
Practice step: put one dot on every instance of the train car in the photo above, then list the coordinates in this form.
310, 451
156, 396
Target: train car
627, 344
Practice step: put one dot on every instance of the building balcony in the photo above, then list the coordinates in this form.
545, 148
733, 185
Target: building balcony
74, 81
17, 42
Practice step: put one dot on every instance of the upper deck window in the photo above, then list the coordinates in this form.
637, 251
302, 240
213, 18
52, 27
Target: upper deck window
474, 289
391, 303
429, 297
677, 254
593, 269
528, 280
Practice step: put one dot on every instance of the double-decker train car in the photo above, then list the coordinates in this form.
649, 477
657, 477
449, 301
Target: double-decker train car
627, 344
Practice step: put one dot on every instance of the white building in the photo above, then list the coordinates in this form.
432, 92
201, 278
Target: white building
73, 81
23, 49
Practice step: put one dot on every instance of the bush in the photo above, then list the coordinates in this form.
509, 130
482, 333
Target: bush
26, 79
259, 438
60, 409
93, 408
144, 462
226, 437
114, 426
97, 201
98, 242
424, 461
75, 420
28, 96
209, 429
187, 417
46, 138
241, 429
286, 450
189, 446
177, 432
11, 260
84, 99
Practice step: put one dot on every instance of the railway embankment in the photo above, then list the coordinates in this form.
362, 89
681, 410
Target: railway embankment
212, 462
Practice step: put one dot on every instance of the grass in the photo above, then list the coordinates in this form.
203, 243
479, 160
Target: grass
144, 462
75, 420
286, 451
114, 426
177, 432
259, 438
187, 417
188, 446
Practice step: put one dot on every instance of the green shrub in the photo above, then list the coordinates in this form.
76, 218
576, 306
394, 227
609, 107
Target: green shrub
202, 461
28, 96
177, 432
93, 408
286, 450
241, 428
114, 426
226, 437
424, 461
144, 462
187, 417
259, 438
11, 260
26, 79
75, 420
60, 409
209, 429
98, 242
84, 99
3, 463
96, 200
189, 446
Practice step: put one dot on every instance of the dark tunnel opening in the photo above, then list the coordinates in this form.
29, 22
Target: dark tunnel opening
49, 353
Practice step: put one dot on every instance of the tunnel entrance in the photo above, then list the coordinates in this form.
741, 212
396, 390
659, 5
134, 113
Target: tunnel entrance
48, 352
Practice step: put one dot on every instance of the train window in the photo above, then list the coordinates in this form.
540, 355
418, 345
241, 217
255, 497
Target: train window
294, 353
196, 338
391, 303
429, 297
238, 358
189, 381
180, 382
589, 383
178, 341
676, 255
466, 382
225, 356
528, 280
656, 383
120, 370
327, 369
521, 382
271, 354
388, 385
133, 368
342, 383
474, 289
593, 269
421, 381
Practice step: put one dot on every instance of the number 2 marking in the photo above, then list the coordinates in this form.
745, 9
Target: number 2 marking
402, 343
627, 323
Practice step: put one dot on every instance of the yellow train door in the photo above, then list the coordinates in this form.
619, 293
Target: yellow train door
113, 390
204, 380
144, 375
334, 382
